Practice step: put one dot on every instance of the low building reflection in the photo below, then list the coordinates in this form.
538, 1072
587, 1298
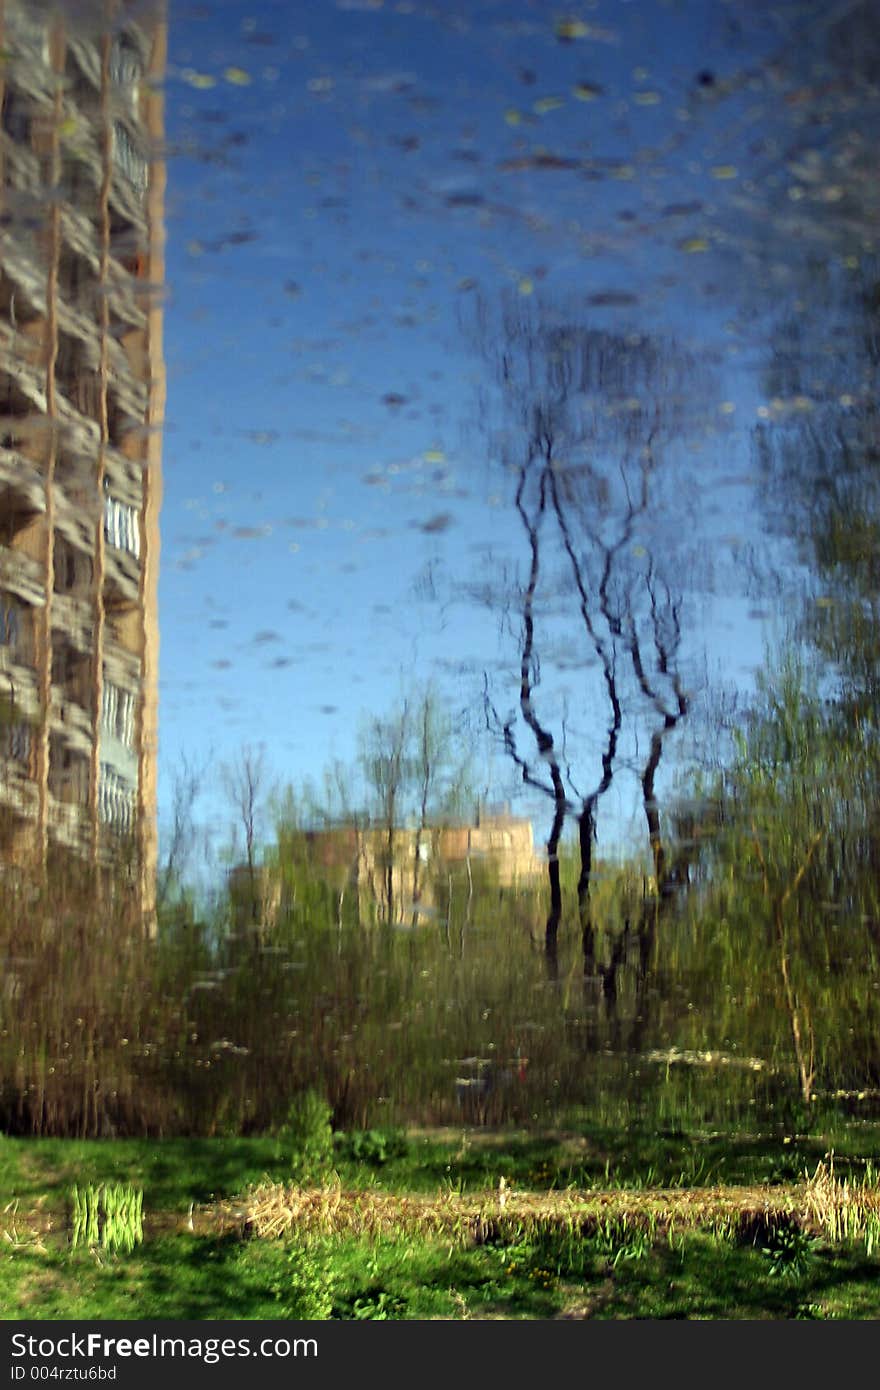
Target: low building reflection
402, 878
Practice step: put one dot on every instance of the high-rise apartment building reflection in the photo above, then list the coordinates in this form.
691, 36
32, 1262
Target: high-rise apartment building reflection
81, 410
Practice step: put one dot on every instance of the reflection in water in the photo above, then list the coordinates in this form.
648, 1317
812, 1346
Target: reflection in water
392, 874
587, 415
81, 410
523, 363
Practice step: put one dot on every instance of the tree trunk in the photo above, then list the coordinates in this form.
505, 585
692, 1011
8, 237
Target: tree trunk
551, 933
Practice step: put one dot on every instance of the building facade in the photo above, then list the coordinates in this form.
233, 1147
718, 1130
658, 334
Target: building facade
82, 395
394, 878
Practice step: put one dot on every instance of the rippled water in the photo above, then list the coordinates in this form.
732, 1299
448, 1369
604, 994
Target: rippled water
438, 521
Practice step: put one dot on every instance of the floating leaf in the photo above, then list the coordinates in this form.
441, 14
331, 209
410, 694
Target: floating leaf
200, 80
546, 104
435, 524
693, 245
512, 116
647, 98
541, 159
587, 91
567, 30
237, 76
526, 286
724, 171
681, 209
434, 456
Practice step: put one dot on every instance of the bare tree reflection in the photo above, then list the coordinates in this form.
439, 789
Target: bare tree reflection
587, 414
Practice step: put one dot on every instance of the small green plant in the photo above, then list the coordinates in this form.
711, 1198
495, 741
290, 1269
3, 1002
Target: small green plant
307, 1137
109, 1215
615, 1240
789, 1249
372, 1146
544, 1175
544, 1255
810, 1312
304, 1284
377, 1305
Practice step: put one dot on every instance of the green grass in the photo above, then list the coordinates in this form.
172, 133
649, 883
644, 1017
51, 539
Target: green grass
181, 1277
177, 1172
616, 1270
173, 1173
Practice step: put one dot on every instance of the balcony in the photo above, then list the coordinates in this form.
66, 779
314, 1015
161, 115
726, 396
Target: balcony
20, 574
71, 724
22, 490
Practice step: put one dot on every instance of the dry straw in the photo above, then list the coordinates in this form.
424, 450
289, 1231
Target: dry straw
845, 1211
272, 1210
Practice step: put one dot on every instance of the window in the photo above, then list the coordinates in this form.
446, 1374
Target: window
73, 568
129, 158
126, 69
10, 623
117, 713
18, 742
121, 526
116, 800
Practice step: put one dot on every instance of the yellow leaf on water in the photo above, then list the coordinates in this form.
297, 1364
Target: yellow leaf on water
512, 116
647, 98
692, 245
526, 286
545, 104
237, 76
572, 29
200, 80
585, 91
724, 171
